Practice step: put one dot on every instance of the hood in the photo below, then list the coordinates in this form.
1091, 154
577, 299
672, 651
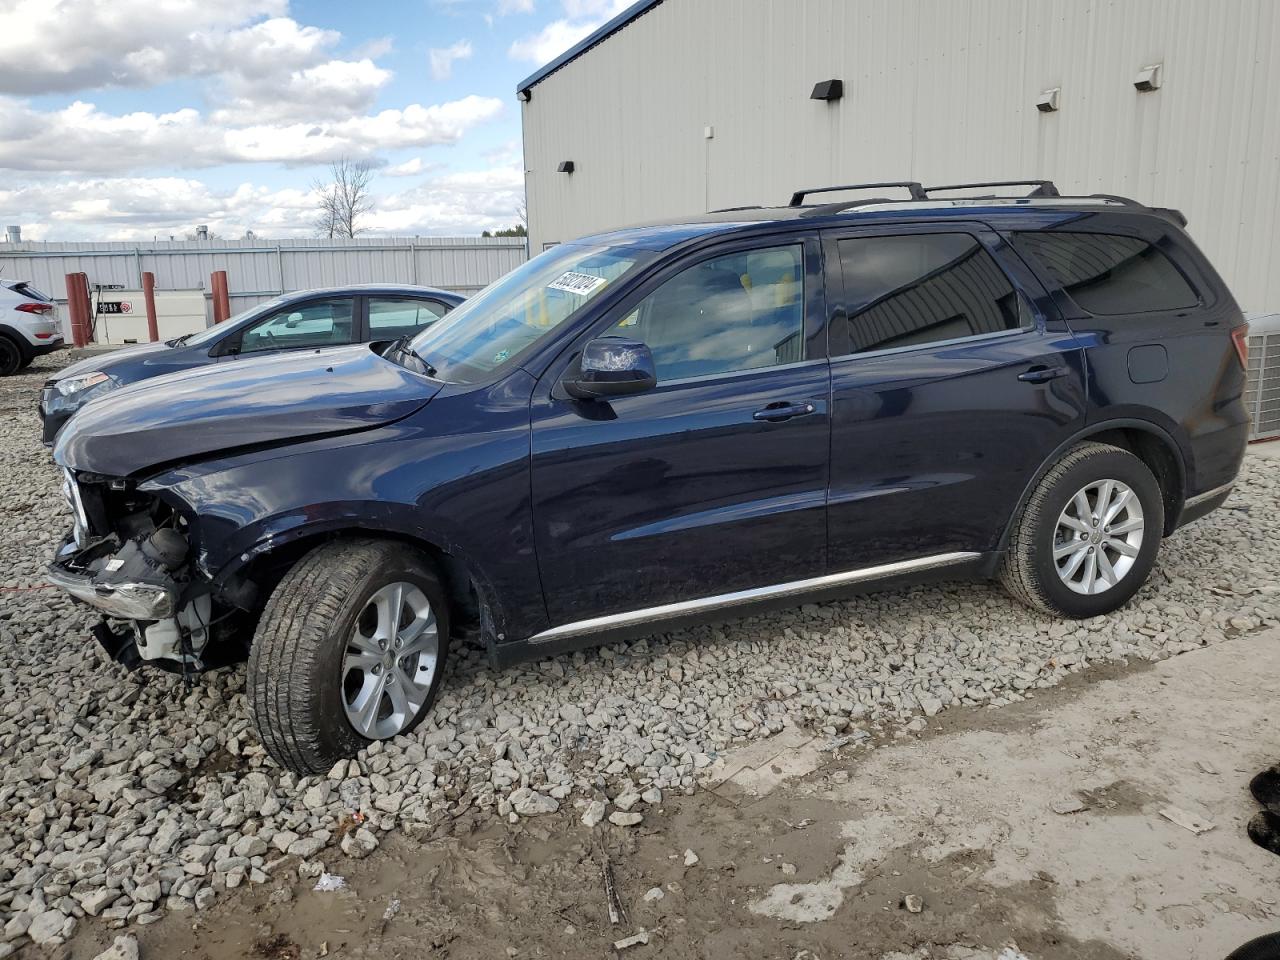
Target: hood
106, 360
246, 402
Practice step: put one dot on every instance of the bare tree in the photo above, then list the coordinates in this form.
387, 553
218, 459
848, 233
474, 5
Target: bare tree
345, 199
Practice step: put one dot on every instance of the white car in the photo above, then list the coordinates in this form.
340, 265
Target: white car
28, 328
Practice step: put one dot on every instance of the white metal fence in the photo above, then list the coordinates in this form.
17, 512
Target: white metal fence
260, 269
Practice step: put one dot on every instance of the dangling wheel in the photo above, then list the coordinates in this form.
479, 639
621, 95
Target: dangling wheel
351, 648
1088, 536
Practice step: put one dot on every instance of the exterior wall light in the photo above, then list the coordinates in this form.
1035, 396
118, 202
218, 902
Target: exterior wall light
566, 166
828, 90
1148, 79
525, 95
1047, 102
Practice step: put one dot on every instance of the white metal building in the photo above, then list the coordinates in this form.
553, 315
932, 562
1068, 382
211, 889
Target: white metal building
681, 106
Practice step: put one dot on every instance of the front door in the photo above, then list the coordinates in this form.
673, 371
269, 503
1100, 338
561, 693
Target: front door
713, 481
952, 381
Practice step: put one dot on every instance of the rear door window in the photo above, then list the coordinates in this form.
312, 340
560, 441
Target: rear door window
1108, 275
393, 317
920, 288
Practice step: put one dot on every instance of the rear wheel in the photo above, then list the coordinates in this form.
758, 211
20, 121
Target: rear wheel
1087, 538
350, 648
11, 356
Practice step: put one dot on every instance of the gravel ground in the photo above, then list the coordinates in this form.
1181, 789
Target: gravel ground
123, 796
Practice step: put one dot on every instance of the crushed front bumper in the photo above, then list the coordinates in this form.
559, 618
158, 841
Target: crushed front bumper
125, 600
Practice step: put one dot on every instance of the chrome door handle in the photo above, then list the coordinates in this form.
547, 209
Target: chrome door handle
1042, 374
777, 412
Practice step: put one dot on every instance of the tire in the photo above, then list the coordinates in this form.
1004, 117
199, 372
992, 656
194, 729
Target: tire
301, 685
1266, 947
11, 356
1029, 569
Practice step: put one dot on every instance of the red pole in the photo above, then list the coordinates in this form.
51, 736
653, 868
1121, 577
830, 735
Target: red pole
78, 306
149, 295
221, 296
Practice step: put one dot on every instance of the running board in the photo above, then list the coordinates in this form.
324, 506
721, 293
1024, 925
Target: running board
669, 611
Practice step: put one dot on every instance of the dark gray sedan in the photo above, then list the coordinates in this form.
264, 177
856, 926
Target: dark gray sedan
294, 321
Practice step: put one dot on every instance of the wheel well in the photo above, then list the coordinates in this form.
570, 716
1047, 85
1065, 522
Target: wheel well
1160, 459
268, 569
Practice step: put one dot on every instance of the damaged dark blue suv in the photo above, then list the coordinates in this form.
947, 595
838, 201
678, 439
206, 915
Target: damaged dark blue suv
665, 424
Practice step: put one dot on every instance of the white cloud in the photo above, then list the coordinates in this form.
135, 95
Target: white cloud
443, 59
581, 18
80, 138
140, 208
508, 7
410, 168
66, 45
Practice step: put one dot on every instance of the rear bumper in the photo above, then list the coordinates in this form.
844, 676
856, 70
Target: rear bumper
42, 347
127, 601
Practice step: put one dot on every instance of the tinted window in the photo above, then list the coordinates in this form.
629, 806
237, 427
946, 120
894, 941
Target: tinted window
319, 323
391, 318
909, 290
736, 312
1107, 275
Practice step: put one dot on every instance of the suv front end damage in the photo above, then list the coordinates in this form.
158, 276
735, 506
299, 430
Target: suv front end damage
127, 556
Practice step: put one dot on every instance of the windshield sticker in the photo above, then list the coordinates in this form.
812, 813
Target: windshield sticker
501, 356
580, 283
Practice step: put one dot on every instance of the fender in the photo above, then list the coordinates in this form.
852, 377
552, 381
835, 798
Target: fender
1092, 430
17, 336
274, 537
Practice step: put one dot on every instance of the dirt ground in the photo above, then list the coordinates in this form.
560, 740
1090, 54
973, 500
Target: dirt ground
966, 817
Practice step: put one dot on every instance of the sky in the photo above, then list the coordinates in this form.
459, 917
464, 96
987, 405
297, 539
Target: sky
139, 119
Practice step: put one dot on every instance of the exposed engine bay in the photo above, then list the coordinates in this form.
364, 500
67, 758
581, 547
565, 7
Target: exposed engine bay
128, 555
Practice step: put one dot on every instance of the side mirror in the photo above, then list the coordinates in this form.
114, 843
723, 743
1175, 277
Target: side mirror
612, 367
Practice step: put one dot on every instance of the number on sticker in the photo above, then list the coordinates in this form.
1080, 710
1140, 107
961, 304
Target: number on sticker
579, 283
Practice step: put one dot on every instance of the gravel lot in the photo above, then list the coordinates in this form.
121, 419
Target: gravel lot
123, 796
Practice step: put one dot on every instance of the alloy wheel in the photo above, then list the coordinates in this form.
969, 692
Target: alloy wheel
1098, 537
390, 661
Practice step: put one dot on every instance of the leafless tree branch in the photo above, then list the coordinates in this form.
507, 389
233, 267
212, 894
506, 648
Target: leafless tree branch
344, 199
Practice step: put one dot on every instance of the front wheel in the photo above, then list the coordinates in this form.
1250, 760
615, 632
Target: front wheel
1087, 537
350, 648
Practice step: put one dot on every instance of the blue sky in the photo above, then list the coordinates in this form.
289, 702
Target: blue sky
131, 119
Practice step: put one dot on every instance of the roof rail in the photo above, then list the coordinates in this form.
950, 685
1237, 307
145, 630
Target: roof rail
1043, 188
911, 186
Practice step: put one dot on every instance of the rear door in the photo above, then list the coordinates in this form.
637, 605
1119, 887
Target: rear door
713, 481
952, 380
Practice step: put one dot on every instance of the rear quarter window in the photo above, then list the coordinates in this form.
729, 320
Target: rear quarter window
1107, 274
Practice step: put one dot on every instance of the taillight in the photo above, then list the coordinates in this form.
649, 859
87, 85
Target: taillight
34, 307
1240, 337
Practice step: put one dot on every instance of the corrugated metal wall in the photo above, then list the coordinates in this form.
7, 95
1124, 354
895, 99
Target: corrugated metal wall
258, 270
934, 91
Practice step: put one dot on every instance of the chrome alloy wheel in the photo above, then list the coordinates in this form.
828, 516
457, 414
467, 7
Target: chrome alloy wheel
1098, 537
390, 662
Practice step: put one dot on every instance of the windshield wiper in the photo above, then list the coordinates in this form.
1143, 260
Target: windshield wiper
179, 341
400, 348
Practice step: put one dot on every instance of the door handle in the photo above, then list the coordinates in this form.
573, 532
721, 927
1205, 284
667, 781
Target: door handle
782, 410
1043, 374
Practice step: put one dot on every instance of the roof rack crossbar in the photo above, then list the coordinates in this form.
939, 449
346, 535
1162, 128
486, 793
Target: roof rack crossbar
1043, 188
911, 186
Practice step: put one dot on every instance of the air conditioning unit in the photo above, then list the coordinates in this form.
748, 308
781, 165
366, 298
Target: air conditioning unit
1262, 387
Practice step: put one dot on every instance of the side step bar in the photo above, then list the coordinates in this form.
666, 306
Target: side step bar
668, 611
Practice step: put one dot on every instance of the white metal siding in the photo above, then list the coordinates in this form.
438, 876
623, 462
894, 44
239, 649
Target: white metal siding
258, 270
934, 91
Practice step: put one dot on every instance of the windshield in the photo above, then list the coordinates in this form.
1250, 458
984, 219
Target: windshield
218, 329
509, 315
